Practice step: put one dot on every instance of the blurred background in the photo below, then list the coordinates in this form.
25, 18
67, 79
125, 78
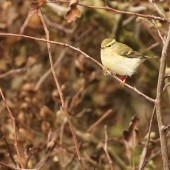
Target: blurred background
32, 96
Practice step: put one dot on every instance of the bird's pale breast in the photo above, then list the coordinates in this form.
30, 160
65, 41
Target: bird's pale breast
120, 65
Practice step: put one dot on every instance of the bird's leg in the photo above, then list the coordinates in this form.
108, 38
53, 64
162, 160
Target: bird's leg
123, 80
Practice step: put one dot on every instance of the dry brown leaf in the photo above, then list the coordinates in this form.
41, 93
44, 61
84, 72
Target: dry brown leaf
52, 140
35, 4
80, 63
73, 13
41, 2
73, 3
46, 113
131, 137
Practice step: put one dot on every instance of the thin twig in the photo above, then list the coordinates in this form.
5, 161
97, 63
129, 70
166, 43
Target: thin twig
75, 98
167, 76
118, 160
158, 103
106, 149
13, 168
12, 72
150, 47
145, 149
85, 55
58, 26
30, 14
115, 10
159, 33
48, 72
99, 120
166, 86
15, 129
8, 148
64, 108
133, 88
105, 2
91, 161
167, 127
158, 10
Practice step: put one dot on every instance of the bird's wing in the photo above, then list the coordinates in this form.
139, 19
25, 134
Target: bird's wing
133, 54
129, 52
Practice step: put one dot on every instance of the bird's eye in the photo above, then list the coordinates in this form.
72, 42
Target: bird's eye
109, 45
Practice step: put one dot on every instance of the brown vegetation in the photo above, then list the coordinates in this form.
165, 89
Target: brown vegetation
57, 108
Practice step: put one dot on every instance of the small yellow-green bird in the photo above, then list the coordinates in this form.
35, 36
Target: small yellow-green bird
120, 58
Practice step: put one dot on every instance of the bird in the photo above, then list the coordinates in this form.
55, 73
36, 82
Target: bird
120, 59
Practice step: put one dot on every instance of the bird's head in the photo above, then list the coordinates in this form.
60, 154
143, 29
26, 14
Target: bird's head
107, 46
107, 43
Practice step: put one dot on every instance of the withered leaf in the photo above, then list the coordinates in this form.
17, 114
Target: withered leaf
131, 136
52, 140
35, 4
41, 2
73, 13
73, 3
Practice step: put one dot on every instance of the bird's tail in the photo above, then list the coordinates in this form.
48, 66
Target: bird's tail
152, 57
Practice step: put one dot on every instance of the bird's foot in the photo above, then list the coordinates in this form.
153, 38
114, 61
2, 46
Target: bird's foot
123, 80
122, 83
106, 71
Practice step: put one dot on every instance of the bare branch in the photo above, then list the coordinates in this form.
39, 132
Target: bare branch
85, 55
99, 120
13, 168
106, 149
47, 74
117, 11
158, 103
64, 107
15, 128
8, 148
145, 149
158, 10
159, 33
30, 14
12, 72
